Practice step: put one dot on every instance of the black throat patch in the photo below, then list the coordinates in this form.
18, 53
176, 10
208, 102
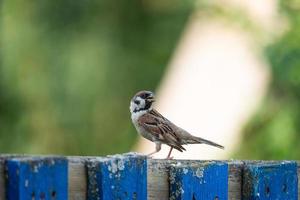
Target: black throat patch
148, 105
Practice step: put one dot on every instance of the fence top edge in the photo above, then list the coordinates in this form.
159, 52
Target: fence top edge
138, 155
37, 159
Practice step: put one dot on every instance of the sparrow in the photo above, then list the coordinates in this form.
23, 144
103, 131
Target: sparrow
158, 129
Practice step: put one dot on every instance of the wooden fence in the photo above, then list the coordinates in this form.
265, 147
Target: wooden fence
133, 176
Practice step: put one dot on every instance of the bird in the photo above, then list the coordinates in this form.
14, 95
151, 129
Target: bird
158, 129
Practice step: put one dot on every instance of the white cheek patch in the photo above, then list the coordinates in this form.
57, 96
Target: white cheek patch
142, 102
133, 106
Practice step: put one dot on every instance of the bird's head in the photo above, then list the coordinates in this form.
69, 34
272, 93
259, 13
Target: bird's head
142, 101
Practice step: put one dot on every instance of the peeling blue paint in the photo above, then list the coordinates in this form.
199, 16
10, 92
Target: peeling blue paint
202, 181
37, 178
122, 177
270, 180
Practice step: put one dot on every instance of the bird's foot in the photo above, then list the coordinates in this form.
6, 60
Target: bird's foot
170, 158
149, 156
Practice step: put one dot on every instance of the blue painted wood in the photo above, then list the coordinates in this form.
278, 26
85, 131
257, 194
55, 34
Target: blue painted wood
202, 181
270, 180
298, 162
122, 177
37, 179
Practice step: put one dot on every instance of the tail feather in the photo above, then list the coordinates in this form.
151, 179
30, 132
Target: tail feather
204, 141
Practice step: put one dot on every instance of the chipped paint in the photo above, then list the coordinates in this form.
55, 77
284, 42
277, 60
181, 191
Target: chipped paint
270, 180
198, 181
118, 177
200, 172
37, 177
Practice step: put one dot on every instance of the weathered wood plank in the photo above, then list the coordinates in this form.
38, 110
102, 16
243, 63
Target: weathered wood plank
202, 181
117, 177
2, 179
158, 178
298, 180
158, 184
235, 179
3, 158
77, 175
270, 180
37, 178
157, 175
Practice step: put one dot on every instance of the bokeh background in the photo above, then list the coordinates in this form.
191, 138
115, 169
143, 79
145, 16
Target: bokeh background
69, 69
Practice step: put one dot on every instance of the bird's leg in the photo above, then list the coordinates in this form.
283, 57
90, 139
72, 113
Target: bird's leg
157, 149
169, 154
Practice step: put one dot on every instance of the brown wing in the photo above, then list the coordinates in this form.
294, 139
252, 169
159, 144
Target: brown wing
159, 127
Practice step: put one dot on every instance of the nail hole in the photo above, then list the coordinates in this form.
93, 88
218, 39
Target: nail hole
216, 198
53, 194
194, 197
267, 190
284, 188
32, 196
42, 196
134, 196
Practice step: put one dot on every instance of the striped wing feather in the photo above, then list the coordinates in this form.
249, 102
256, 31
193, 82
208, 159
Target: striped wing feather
158, 126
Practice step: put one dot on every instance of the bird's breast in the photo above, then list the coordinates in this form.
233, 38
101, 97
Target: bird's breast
140, 129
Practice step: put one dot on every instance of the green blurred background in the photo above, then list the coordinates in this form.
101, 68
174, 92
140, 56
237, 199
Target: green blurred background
274, 131
69, 68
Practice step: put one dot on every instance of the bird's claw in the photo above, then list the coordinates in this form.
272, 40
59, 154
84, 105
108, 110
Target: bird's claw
150, 155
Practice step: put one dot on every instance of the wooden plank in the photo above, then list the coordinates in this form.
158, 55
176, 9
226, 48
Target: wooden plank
298, 180
202, 181
235, 180
158, 184
77, 175
117, 177
270, 180
3, 158
158, 176
2, 179
37, 178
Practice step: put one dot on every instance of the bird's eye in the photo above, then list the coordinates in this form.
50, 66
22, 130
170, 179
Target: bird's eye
137, 102
146, 95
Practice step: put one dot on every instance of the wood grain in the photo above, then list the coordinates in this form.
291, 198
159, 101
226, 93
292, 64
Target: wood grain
270, 180
3, 157
158, 178
235, 180
298, 172
158, 184
157, 175
36, 177
77, 176
204, 180
2, 179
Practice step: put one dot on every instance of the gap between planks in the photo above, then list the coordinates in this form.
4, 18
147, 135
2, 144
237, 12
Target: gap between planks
158, 186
